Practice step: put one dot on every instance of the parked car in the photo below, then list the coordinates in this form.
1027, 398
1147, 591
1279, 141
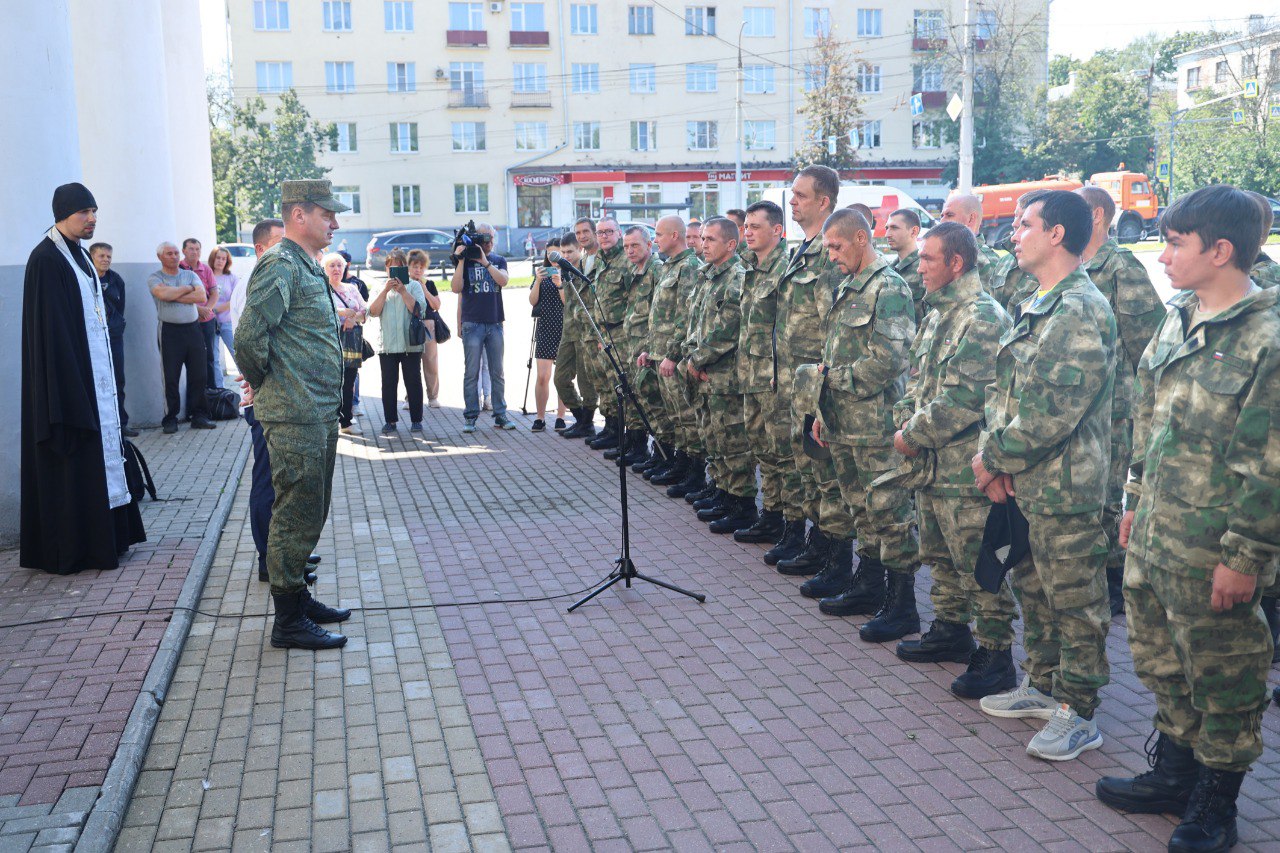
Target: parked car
1275, 215
437, 244
243, 259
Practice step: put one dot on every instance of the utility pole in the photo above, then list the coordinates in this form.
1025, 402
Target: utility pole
737, 120
966, 96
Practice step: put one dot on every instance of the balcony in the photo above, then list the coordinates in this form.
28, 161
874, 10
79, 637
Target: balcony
471, 98
933, 99
530, 100
466, 38
924, 39
527, 38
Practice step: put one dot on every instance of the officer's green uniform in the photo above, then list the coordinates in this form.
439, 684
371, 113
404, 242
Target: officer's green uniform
697, 390
569, 354
1010, 285
767, 414
909, 269
954, 360
1049, 426
1265, 272
988, 258
1206, 468
586, 344
635, 331
668, 327
287, 347
608, 304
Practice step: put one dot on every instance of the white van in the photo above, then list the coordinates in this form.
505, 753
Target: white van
883, 200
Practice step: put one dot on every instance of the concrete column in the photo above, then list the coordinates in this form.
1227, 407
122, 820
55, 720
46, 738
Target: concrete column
41, 100
188, 121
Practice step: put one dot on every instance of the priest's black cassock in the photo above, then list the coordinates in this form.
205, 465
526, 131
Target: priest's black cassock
73, 515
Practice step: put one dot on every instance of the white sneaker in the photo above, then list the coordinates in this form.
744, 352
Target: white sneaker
434, 404
1065, 736
351, 430
1023, 701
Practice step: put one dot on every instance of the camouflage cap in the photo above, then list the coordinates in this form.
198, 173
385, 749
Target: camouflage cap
317, 192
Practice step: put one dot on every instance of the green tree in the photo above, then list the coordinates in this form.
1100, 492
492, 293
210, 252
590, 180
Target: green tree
831, 107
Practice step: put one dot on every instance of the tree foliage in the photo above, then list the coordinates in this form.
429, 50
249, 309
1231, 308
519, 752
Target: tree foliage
831, 108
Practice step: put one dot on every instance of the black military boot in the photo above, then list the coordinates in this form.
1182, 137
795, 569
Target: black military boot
944, 641
810, 560
714, 507
637, 448
990, 672
1209, 823
705, 492
322, 614
864, 594
293, 629
898, 615
654, 459
768, 528
626, 441
695, 479
790, 543
1164, 789
1115, 589
740, 513
837, 571
672, 473
583, 427
1269, 610
607, 438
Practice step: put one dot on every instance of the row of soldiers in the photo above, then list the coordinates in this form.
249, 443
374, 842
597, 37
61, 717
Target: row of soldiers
894, 401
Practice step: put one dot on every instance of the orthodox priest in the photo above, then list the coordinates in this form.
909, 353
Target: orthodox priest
77, 513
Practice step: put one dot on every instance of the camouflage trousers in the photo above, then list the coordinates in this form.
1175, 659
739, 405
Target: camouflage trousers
951, 529
644, 382
1062, 588
1117, 476
727, 445
702, 417
678, 402
793, 481
819, 496
883, 518
768, 432
302, 459
568, 368
1208, 670
600, 377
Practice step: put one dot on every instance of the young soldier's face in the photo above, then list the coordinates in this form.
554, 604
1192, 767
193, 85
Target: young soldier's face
1186, 261
899, 236
1032, 242
572, 254
759, 234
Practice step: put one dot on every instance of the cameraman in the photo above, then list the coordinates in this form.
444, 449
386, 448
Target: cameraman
479, 275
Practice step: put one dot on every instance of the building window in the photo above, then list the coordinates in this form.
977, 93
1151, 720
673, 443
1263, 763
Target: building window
640, 20
1193, 78
704, 201
759, 20
756, 189
406, 199
530, 77
815, 77
699, 78
870, 23
869, 80
869, 134
344, 138
586, 78
339, 77
404, 137
466, 76
583, 20
528, 17
470, 198
468, 136
647, 194
271, 15
337, 16
587, 201
464, 16
586, 136
350, 196
398, 15
927, 77
699, 20
984, 26
703, 135
401, 77
1248, 66
929, 24
274, 77
644, 136
533, 207
817, 22
760, 135
758, 80
1221, 72
531, 135
644, 79
926, 134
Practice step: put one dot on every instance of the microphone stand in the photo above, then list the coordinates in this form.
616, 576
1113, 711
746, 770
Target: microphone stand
625, 570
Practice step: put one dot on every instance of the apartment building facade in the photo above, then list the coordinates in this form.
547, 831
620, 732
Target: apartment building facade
1251, 59
530, 114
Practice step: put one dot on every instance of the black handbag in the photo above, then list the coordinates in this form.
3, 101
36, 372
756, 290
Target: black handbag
417, 328
442, 328
353, 345
136, 473
366, 350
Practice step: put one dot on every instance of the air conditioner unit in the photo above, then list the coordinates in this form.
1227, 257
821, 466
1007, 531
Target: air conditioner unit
495, 6
440, 74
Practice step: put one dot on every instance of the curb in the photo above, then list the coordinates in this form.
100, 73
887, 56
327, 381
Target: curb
106, 818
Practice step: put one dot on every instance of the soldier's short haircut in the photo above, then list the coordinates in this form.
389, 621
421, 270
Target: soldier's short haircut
586, 220
1027, 199
287, 210
96, 246
727, 227
1268, 216
737, 214
636, 229
826, 181
956, 240
1099, 199
262, 231
847, 222
771, 210
694, 223
418, 256
867, 213
568, 238
908, 216
1219, 212
1061, 207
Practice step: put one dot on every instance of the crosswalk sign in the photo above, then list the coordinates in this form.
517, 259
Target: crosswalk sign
1237, 116
1251, 88
1163, 170
1275, 111
917, 104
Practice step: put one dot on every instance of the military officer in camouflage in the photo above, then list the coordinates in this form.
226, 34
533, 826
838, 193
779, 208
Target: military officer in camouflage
868, 332
1047, 441
569, 356
579, 336
901, 232
287, 347
713, 362
608, 304
643, 275
939, 421
1203, 538
1123, 280
967, 210
1009, 283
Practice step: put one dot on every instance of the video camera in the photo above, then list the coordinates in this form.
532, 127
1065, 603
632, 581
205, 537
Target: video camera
469, 240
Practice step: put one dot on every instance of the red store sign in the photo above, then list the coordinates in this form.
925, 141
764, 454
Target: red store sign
538, 180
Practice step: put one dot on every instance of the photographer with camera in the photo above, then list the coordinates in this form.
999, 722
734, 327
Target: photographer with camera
479, 276
394, 306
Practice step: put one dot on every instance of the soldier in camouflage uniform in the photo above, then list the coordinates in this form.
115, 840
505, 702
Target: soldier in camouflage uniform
287, 347
713, 362
585, 344
1123, 280
1009, 284
569, 356
635, 332
1264, 271
1204, 536
967, 210
939, 421
868, 332
1048, 440
901, 233
608, 304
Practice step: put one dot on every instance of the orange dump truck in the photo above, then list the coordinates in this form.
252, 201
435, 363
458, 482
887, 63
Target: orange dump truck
1136, 206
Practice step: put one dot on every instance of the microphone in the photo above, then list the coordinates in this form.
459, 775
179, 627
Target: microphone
557, 258
567, 266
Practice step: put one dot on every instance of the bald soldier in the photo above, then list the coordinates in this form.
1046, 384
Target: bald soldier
967, 210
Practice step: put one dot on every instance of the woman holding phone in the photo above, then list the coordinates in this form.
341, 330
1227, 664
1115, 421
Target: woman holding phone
548, 308
393, 306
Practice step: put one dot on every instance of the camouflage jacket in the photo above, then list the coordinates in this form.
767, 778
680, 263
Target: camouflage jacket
954, 356
714, 330
1123, 280
1049, 412
1206, 442
909, 269
867, 340
759, 313
1265, 271
635, 325
988, 258
799, 336
672, 301
1009, 284
609, 279
287, 343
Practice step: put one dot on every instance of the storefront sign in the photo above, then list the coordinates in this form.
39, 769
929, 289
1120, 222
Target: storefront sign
538, 180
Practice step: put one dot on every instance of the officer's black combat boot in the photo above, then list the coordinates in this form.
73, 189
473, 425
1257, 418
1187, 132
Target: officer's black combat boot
607, 438
671, 474
1115, 589
716, 506
1164, 789
790, 543
674, 460
654, 459
308, 576
990, 672
837, 571
626, 442
898, 616
582, 424
695, 479
810, 560
944, 641
1269, 609
768, 528
637, 448
293, 629
322, 614
702, 494
864, 594
740, 513
1209, 823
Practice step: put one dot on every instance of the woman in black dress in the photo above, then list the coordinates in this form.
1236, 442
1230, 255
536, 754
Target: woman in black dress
544, 296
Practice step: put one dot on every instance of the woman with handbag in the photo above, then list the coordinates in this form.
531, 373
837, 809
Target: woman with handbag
418, 264
399, 306
353, 313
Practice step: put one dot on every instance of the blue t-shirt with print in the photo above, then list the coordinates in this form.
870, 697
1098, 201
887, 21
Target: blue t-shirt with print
481, 296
